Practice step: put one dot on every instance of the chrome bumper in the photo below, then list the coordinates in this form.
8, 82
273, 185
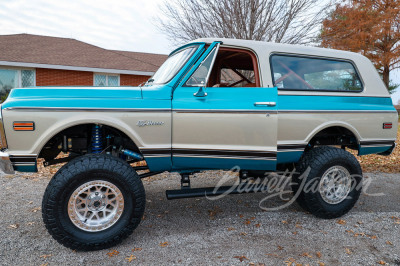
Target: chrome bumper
5, 163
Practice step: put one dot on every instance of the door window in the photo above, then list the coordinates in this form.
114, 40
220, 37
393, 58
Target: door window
232, 68
200, 76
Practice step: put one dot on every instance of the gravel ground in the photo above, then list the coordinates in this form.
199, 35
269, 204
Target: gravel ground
231, 231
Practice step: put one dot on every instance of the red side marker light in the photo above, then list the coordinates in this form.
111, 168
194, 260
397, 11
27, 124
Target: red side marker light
387, 125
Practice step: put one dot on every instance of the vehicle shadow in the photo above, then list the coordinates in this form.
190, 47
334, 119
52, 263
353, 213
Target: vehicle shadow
201, 213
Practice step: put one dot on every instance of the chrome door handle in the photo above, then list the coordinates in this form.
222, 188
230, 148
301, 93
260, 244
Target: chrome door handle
271, 104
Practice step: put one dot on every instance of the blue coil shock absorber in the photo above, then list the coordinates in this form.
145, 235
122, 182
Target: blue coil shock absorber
97, 139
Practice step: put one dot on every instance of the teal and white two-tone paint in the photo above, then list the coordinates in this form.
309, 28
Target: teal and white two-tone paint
302, 116
202, 128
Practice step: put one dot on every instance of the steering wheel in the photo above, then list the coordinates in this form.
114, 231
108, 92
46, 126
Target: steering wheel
193, 80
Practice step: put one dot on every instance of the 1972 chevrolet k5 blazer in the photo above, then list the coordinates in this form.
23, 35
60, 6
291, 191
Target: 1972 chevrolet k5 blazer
214, 104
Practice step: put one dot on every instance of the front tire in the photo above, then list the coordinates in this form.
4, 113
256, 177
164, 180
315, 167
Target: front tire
93, 202
329, 182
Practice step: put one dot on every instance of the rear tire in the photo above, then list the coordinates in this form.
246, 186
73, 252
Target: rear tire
93, 202
333, 184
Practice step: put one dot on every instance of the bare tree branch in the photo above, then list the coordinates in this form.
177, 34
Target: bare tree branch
285, 21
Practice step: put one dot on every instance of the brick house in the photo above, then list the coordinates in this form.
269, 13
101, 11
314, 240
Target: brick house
34, 60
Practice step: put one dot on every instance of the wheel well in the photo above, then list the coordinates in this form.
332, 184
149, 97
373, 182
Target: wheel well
336, 135
77, 140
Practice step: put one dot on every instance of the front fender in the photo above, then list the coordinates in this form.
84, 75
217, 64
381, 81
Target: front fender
88, 119
48, 124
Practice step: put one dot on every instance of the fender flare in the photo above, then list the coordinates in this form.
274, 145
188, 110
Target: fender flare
93, 119
333, 124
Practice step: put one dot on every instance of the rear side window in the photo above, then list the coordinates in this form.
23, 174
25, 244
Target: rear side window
305, 73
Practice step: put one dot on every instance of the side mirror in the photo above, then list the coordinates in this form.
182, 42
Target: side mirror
200, 93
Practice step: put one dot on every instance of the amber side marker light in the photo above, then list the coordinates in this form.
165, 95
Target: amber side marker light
24, 126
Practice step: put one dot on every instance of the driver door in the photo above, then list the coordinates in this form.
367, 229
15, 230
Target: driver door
222, 127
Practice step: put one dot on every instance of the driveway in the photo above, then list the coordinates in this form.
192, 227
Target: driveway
233, 230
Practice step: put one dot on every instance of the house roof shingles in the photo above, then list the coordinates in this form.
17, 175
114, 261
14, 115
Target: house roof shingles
38, 49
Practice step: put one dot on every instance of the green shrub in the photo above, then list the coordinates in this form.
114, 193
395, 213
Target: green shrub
3, 97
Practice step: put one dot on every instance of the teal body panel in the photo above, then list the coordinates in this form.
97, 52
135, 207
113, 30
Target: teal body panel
289, 156
334, 103
234, 98
157, 164
92, 103
201, 164
26, 168
223, 98
75, 97
32, 93
159, 92
371, 150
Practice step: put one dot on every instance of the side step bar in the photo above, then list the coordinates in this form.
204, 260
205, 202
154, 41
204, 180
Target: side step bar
209, 191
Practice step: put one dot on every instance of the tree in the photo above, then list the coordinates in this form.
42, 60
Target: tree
370, 27
283, 21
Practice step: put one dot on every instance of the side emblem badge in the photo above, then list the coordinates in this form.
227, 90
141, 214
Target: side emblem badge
143, 123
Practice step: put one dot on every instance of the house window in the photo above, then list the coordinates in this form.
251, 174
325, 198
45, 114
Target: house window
14, 78
103, 80
27, 78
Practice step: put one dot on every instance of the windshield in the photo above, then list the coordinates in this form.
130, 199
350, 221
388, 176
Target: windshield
173, 64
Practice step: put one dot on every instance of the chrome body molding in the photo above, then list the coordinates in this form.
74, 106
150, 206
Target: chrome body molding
230, 111
18, 160
75, 109
336, 111
377, 143
24, 162
156, 152
209, 153
220, 153
224, 111
291, 147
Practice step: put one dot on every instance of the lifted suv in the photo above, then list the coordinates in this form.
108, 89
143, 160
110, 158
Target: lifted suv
214, 104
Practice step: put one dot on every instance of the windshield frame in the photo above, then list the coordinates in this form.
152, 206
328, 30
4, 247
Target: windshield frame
181, 49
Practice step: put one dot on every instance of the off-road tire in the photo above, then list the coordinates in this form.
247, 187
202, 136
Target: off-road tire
319, 160
77, 172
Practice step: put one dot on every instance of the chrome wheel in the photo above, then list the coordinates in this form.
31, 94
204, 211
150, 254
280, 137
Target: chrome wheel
95, 206
335, 185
